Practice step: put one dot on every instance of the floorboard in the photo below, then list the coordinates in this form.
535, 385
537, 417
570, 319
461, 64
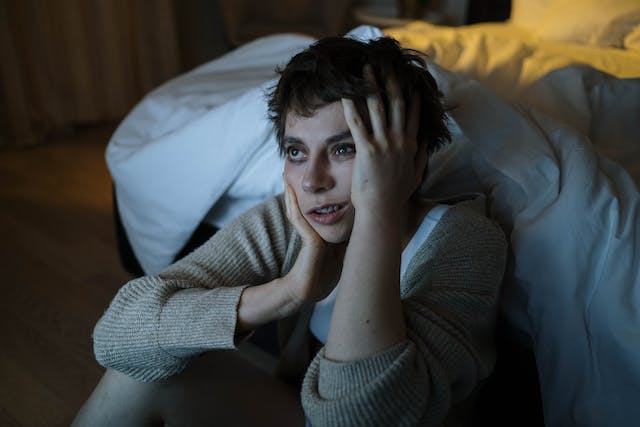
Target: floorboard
59, 268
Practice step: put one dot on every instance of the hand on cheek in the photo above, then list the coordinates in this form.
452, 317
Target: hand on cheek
315, 272
305, 230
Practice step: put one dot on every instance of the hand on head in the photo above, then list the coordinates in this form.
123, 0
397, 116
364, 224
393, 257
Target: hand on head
390, 162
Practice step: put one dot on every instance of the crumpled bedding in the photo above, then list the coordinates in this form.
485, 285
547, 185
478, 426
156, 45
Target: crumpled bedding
559, 156
506, 58
574, 220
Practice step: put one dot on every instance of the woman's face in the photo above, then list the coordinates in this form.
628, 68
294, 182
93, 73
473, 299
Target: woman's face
319, 155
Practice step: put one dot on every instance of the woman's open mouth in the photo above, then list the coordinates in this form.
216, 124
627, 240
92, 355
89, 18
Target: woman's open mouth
328, 214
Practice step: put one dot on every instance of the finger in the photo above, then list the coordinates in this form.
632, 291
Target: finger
375, 107
397, 107
288, 202
356, 126
295, 216
421, 160
293, 210
413, 121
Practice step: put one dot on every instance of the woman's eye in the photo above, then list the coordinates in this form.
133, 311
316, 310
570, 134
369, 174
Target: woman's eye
344, 150
293, 153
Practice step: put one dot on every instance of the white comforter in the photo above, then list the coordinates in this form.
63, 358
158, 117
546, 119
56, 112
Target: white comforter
574, 216
562, 165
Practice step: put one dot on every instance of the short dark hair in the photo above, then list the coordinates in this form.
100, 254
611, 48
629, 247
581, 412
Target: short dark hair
331, 69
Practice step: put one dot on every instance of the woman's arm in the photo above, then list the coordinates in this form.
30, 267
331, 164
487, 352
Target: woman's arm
450, 296
234, 283
404, 362
367, 316
389, 163
154, 324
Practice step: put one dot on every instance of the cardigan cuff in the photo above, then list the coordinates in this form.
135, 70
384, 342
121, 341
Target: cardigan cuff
339, 379
193, 321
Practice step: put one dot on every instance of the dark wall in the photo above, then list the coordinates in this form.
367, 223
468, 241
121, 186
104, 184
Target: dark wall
488, 10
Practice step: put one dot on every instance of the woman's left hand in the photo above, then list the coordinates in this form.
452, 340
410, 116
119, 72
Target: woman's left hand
389, 162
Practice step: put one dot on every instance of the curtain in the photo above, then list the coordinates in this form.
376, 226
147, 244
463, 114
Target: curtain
68, 62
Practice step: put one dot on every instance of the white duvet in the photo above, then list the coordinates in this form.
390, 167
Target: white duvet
574, 216
562, 165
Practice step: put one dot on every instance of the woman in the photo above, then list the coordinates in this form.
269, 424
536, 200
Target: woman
385, 300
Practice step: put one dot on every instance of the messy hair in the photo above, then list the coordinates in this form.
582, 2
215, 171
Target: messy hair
332, 68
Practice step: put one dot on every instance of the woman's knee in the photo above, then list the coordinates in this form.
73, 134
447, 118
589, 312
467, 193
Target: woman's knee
219, 387
222, 388
120, 400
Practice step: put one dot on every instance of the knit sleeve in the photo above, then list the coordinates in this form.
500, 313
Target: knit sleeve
449, 305
155, 324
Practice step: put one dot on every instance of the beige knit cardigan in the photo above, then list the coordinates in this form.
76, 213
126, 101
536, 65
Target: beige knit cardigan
155, 324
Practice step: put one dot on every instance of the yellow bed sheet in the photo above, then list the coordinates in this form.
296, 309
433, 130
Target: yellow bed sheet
507, 58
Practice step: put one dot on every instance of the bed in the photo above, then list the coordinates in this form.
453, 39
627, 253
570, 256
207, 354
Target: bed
546, 119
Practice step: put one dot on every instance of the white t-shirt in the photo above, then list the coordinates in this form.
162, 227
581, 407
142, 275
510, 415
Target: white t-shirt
322, 311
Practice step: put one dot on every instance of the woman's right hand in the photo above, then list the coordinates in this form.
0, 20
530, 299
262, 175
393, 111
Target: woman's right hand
312, 277
317, 268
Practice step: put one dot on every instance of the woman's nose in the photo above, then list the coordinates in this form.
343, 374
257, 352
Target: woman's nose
317, 177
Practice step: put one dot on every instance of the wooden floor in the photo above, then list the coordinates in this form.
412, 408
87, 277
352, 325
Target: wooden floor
59, 268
